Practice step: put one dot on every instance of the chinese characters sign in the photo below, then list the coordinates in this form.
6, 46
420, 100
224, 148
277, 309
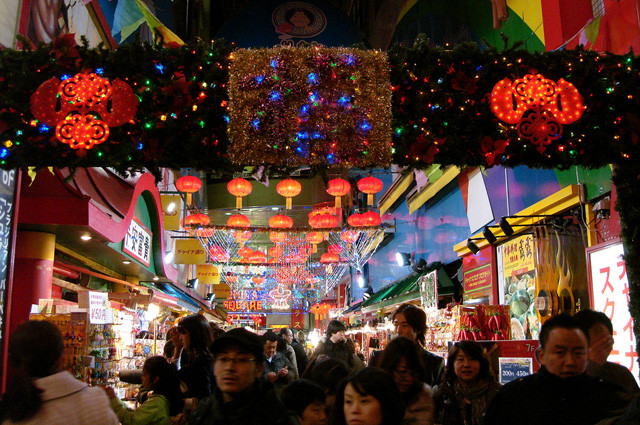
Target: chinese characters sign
137, 242
7, 189
610, 294
428, 285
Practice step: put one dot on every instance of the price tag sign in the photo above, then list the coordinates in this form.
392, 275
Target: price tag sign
512, 368
98, 306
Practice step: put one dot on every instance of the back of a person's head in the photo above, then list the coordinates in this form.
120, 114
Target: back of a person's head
588, 318
300, 336
560, 321
326, 372
377, 383
35, 348
167, 384
472, 350
301, 393
334, 327
399, 349
416, 318
199, 333
216, 331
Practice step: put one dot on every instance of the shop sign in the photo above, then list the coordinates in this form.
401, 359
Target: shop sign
512, 368
189, 251
207, 274
478, 282
238, 305
297, 318
221, 290
137, 242
342, 292
609, 288
518, 256
98, 308
428, 285
171, 211
7, 193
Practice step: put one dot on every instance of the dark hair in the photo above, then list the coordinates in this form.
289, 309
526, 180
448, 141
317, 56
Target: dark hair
379, 384
216, 331
301, 393
563, 321
283, 331
269, 336
587, 318
416, 318
471, 349
168, 383
402, 348
282, 345
199, 334
334, 327
326, 372
34, 350
168, 349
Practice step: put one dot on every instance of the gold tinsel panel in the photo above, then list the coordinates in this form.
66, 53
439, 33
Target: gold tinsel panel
314, 106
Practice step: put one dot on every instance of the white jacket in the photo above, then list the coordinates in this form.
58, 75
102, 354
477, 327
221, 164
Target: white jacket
67, 401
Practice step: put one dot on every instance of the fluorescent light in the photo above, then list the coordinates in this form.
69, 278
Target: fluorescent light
168, 258
126, 262
156, 278
171, 207
85, 237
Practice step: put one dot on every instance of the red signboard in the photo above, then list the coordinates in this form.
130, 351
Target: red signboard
297, 318
479, 276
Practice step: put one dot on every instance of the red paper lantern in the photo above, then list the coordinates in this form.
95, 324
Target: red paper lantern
335, 249
258, 280
257, 257
355, 220
217, 253
239, 187
329, 257
205, 232
243, 237
289, 188
188, 185
231, 278
324, 221
280, 221
275, 251
349, 236
371, 218
238, 220
190, 220
338, 188
245, 251
370, 185
200, 219
314, 238
278, 237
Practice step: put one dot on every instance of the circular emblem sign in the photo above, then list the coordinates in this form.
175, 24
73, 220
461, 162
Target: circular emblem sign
298, 19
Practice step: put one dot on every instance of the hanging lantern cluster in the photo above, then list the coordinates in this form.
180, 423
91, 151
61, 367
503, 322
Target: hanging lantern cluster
239, 188
367, 219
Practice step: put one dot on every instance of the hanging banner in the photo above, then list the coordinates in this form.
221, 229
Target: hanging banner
189, 251
221, 291
428, 284
207, 274
609, 291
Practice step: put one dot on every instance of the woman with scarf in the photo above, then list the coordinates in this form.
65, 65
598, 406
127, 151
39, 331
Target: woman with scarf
467, 388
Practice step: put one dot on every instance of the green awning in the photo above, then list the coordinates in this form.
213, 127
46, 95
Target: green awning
405, 290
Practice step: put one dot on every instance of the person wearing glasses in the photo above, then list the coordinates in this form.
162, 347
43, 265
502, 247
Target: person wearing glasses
240, 397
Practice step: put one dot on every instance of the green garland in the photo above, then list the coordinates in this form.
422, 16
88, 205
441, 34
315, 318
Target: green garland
440, 113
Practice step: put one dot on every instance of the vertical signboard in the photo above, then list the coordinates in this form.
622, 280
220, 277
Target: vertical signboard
7, 197
609, 290
137, 242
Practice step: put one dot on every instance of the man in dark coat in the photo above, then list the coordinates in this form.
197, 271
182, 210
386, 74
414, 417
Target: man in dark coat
560, 392
240, 397
301, 354
335, 346
277, 368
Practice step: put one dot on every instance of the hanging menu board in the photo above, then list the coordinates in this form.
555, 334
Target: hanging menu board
7, 191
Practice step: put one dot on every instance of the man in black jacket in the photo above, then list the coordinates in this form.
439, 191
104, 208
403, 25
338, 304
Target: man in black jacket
240, 397
560, 392
301, 354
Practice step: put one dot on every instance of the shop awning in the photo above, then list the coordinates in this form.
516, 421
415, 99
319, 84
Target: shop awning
352, 309
406, 290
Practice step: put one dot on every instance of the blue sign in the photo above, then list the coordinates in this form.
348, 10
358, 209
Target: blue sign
512, 368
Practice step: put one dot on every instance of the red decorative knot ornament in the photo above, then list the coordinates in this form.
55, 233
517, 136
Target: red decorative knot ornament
538, 106
289, 188
239, 187
83, 107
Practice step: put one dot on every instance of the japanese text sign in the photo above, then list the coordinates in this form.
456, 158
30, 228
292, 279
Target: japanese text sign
137, 242
189, 251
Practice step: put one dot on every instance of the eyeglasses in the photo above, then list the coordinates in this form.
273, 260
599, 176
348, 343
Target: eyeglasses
241, 361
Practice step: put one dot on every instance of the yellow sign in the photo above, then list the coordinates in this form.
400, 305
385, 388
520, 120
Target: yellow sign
518, 256
189, 251
207, 274
222, 291
171, 211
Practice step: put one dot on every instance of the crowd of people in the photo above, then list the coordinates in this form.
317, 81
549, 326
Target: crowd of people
211, 377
